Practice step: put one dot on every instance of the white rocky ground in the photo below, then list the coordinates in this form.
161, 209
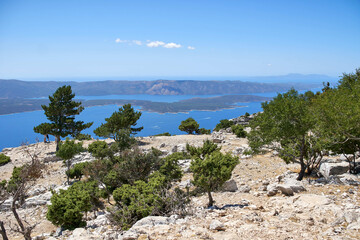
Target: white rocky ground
262, 201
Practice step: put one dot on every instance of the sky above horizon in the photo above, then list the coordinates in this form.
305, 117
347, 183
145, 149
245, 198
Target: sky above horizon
42, 39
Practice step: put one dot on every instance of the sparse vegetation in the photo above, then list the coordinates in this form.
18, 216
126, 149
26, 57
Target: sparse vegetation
67, 151
4, 159
163, 134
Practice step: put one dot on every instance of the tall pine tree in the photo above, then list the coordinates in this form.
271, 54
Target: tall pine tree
61, 113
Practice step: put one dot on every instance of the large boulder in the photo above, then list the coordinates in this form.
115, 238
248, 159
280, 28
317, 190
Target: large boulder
229, 186
328, 169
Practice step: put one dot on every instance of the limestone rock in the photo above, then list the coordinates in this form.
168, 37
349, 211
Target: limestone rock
327, 169
244, 189
229, 186
217, 225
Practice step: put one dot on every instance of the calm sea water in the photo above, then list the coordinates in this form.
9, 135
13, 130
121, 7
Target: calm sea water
16, 129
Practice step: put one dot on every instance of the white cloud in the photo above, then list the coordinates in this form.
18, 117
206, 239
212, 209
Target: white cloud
269, 64
152, 44
172, 45
118, 40
155, 44
137, 42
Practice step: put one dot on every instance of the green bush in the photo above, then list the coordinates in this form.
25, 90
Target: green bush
204, 131
67, 206
239, 131
170, 169
137, 201
77, 171
4, 159
163, 134
224, 124
82, 137
100, 149
146, 198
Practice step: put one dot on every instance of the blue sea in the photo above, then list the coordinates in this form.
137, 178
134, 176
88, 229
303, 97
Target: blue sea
16, 129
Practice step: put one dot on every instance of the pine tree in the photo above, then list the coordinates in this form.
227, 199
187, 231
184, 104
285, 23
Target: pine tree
61, 113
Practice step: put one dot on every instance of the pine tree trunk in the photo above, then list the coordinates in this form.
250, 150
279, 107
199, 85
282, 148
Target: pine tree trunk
68, 170
211, 200
301, 159
3, 231
57, 141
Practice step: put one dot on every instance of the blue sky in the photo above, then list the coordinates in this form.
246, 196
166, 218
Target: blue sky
43, 39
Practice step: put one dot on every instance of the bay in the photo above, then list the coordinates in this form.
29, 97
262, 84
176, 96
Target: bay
17, 129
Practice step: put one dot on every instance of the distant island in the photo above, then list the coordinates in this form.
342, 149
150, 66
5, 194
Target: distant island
37, 89
8, 106
21, 96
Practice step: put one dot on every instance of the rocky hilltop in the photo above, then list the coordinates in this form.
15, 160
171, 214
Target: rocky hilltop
261, 201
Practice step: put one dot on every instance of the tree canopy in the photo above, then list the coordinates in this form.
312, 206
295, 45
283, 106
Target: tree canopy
189, 125
284, 125
61, 113
120, 126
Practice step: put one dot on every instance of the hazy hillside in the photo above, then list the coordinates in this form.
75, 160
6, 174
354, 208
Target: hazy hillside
33, 89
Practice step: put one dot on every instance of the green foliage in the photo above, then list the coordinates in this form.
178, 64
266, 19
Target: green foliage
224, 124
67, 206
337, 113
77, 171
189, 125
203, 131
138, 201
239, 131
15, 179
121, 126
247, 114
126, 168
61, 113
170, 168
201, 152
4, 159
100, 149
69, 149
82, 137
286, 121
146, 198
212, 170
163, 134
133, 165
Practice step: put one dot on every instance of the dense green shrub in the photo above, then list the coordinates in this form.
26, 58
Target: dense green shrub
82, 137
77, 171
163, 134
4, 159
67, 206
170, 168
203, 131
146, 198
239, 131
100, 149
224, 124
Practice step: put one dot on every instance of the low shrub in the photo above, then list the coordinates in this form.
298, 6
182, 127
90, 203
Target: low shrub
4, 159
